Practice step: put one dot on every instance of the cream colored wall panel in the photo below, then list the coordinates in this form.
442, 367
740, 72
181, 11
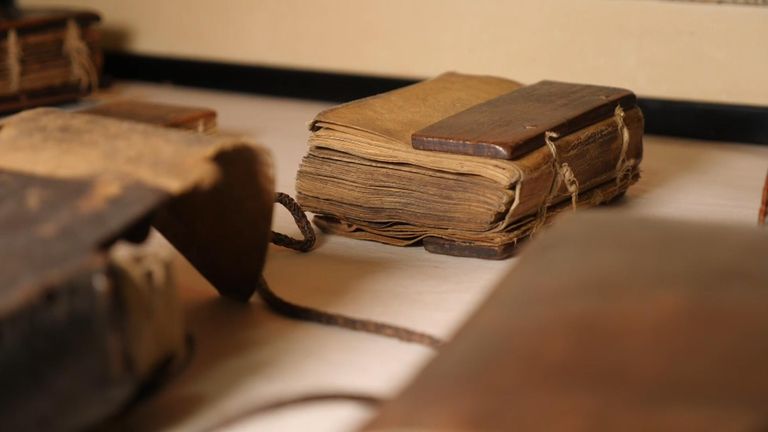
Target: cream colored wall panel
666, 49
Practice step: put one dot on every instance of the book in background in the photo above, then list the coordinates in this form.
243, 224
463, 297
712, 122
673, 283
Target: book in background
47, 56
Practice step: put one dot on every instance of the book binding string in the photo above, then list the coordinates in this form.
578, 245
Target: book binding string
564, 174
83, 70
623, 165
13, 60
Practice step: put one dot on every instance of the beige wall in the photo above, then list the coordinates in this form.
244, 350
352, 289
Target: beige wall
665, 49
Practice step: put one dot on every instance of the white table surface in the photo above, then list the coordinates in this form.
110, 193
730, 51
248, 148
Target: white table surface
247, 356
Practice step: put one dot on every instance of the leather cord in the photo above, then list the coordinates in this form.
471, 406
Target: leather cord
305, 313
301, 221
295, 311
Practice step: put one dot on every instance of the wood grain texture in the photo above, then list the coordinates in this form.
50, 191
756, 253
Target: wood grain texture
161, 114
513, 124
461, 249
604, 344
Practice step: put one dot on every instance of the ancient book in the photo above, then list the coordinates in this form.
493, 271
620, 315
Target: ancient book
47, 56
468, 165
85, 318
87, 307
608, 322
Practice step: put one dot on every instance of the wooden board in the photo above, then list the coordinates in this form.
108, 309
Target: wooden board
183, 117
447, 247
513, 124
644, 325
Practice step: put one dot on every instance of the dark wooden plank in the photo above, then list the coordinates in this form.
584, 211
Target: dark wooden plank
462, 249
609, 323
514, 124
183, 117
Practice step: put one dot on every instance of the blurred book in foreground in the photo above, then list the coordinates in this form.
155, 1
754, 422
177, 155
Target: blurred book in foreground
608, 323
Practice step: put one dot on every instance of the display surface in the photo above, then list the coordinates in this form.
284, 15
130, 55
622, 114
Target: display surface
267, 358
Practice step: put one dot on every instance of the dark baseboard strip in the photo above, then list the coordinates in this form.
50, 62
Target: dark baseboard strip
709, 121
302, 84
700, 120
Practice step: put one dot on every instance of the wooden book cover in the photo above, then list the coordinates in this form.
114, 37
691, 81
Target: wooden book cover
468, 165
197, 119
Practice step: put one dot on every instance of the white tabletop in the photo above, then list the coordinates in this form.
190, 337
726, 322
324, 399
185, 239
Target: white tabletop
247, 356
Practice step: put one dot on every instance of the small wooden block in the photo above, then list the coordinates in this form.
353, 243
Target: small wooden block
442, 246
514, 124
182, 117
